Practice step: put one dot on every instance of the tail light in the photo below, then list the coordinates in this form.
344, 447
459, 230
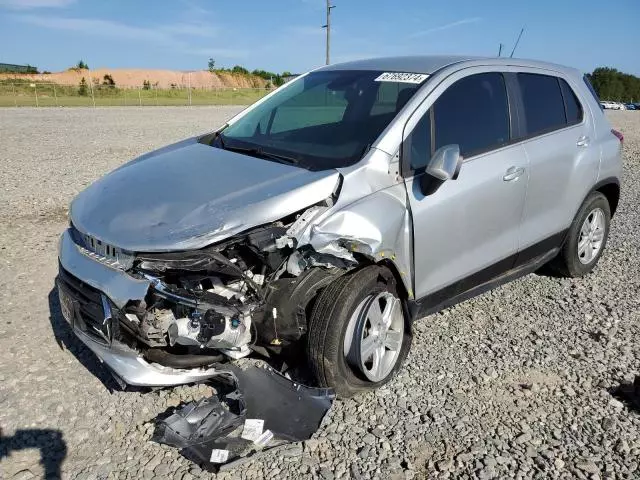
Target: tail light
618, 134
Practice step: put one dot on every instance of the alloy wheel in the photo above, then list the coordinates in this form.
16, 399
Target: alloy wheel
374, 336
591, 236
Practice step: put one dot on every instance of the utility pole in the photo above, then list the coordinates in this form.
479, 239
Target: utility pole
328, 27
93, 97
500, 51
189, 88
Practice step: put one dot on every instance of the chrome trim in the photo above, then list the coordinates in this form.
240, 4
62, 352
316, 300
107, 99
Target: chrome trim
110, 262
117, 285
106, 331
104, 252
161, 289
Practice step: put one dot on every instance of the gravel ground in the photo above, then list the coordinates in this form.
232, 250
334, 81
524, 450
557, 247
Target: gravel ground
515, 383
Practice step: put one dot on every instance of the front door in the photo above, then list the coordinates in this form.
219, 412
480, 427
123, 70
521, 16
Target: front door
466, 231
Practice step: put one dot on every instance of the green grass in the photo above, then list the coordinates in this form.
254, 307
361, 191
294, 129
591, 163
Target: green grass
22, 95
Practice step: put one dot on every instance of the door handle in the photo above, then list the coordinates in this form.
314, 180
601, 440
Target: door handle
513, 173
583, 141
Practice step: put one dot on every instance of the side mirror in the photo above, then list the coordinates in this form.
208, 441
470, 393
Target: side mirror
445, 163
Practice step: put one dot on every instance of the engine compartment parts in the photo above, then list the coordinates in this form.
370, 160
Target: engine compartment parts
201, 302
249, 293
255, 408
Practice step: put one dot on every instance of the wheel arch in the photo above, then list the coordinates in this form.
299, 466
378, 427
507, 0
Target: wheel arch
390, 272
397, 276
407, 298
610, 188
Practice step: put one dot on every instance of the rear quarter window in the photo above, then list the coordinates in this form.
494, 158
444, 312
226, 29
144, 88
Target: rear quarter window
571, 103
544, 109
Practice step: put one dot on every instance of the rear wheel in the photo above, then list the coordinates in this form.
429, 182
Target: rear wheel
358, 332
586, 239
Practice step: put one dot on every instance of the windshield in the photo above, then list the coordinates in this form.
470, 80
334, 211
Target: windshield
327, 119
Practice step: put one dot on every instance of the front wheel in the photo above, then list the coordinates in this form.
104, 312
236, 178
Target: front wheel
358, 332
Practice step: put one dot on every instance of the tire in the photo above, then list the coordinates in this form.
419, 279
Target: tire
572, 261
338, 313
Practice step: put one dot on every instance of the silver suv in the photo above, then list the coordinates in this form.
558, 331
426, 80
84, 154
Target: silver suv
317, 224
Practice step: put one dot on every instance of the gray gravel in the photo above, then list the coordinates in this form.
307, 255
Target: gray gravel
514, 383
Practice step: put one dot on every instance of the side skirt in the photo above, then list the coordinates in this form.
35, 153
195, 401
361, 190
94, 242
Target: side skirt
507, 270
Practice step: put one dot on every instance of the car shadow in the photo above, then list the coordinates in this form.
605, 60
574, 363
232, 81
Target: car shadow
628, 394
50, 442
547, 271
67, 340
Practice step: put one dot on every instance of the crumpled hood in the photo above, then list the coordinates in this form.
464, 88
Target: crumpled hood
189, 195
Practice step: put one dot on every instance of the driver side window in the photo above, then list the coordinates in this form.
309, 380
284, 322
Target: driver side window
472, 113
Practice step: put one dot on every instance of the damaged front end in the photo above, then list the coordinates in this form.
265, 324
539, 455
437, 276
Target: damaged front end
167, 317
193, 311
247, 294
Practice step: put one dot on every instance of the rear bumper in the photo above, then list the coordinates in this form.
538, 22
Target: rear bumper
107, 283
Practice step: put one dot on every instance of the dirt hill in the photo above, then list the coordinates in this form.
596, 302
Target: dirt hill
132, 78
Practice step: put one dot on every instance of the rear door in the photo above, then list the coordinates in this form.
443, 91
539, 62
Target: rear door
466, 231
559, 140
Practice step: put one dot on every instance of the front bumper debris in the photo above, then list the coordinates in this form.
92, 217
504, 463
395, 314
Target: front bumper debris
90, 315
162, 322
255, 409
125, 363
128, 366
117, 284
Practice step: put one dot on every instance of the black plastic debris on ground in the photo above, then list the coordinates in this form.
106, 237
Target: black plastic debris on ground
255, 409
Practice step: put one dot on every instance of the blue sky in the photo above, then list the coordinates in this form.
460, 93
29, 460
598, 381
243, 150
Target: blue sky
282, 35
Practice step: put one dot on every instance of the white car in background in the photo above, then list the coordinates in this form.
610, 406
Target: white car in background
612, 105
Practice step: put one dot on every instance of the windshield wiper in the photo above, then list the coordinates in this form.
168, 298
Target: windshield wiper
276, 156
256, 152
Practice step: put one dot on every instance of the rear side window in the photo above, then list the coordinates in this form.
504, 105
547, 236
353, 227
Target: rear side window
543, 103
572, 105
473, 113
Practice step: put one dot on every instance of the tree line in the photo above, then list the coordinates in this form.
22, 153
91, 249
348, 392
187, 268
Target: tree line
274, 79
611, 84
